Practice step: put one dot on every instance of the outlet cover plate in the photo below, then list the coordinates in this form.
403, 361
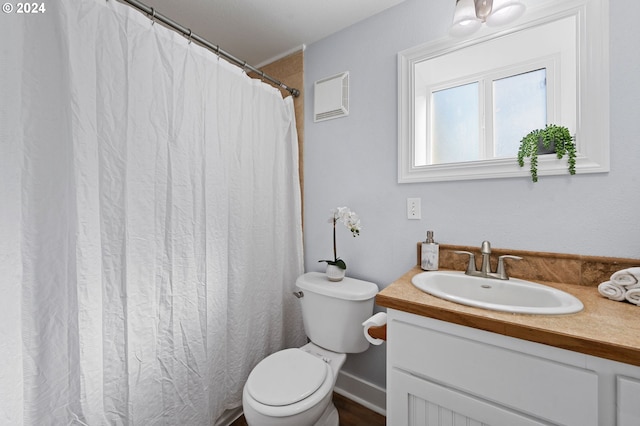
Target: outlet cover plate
414, 210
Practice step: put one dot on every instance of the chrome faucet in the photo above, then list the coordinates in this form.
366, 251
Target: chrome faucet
485, 271
485, 249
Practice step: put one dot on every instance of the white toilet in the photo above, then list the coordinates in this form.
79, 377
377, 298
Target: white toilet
295, 386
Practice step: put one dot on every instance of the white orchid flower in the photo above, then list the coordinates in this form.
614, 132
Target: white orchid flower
351, 221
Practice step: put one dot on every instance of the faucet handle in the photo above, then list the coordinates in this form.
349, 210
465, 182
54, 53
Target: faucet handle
471, 266
502, 273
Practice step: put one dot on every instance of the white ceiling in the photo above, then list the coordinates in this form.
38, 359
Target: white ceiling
258, 31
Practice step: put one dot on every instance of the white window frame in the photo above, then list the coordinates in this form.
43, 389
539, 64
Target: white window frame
590, 123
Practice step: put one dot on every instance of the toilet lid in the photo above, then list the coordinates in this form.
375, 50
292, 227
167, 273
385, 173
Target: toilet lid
286, 377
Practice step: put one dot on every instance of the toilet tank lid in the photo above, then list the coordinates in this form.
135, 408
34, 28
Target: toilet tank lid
347, 289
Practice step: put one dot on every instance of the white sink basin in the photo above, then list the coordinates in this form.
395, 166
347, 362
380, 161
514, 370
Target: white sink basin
513, 295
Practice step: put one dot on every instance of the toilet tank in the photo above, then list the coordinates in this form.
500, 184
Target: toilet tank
333, 312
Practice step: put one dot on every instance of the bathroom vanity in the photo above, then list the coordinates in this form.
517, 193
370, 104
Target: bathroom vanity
450, 364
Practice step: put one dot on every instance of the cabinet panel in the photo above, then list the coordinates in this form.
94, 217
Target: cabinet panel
542, 388
628, 412
432, 404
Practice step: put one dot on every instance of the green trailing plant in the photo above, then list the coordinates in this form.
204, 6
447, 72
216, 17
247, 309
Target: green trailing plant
552, 137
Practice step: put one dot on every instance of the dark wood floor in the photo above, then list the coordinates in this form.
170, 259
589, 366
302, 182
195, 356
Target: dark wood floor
351, 414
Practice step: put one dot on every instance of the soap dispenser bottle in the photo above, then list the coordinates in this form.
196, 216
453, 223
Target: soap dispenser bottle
430, 253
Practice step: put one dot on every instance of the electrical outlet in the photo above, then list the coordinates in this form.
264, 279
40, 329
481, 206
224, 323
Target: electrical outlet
414, 210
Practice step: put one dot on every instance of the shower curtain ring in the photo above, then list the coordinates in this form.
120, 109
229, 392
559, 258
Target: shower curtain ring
262, 76
218, 51
189, 35
153, 16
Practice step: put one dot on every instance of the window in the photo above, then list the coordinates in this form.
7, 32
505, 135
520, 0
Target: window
465, 105
514, 104
519, 105
454, 122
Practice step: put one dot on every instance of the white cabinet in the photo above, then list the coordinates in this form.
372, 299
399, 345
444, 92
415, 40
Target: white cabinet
628, 407
430, 403
440, 373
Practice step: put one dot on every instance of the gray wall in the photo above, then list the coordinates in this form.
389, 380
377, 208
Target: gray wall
352, 161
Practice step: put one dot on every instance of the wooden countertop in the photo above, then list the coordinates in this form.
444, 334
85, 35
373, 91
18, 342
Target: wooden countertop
605, 328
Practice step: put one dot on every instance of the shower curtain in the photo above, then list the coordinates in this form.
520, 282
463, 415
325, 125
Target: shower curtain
150, 228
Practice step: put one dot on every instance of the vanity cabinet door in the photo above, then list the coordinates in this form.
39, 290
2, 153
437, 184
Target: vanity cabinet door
628, 398
420, 402
483, 377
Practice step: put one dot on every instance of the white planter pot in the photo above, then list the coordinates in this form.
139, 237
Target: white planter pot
334, 273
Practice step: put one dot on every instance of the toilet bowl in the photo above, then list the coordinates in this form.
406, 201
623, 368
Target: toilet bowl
305, 378
294, 387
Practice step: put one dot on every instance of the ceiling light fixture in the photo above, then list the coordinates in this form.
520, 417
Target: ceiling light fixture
469, 15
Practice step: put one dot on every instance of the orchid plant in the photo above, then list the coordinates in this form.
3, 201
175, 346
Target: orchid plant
351, 221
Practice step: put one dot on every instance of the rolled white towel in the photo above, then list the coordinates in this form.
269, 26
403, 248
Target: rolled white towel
633, 296
627, 277
612, 291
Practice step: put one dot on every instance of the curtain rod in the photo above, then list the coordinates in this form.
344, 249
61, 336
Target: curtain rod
214, 48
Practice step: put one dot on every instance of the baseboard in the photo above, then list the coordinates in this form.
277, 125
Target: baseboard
364, 393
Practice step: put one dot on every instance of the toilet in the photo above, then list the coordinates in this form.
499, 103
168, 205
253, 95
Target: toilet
294, 387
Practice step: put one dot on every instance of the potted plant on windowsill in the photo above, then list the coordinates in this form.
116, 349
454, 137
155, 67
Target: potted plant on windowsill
553, 137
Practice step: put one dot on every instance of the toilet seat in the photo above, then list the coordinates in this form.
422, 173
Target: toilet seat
288, 382
286, 377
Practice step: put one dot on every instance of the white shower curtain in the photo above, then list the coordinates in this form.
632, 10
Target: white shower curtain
150, 229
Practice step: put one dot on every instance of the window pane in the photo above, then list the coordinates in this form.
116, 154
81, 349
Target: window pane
455, 124
420, 153
520, 105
